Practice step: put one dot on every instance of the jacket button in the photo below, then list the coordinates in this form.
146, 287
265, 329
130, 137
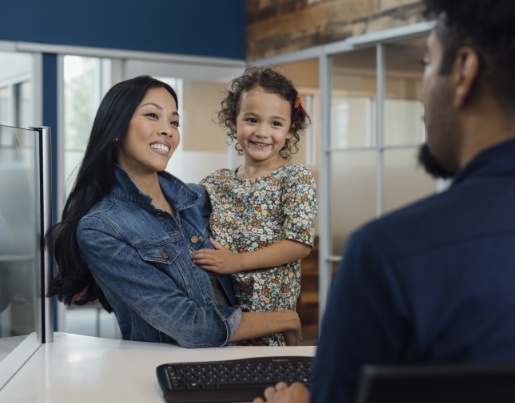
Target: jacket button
164, 255
194, 239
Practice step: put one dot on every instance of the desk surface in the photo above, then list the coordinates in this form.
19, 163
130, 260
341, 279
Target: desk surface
79, 369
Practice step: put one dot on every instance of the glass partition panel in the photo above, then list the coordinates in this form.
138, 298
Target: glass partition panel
353, 99
23, 104
83, 90
4, 104
17, 223
305, 76
353, 193
16, 92
20, 257
353, 141
405, 181
403, 112
403, 122
352, 121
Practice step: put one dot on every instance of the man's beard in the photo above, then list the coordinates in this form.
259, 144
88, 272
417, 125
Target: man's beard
431, 165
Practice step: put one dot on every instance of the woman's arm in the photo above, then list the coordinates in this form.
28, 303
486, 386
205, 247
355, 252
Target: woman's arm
159, 296
223, 261
259, 324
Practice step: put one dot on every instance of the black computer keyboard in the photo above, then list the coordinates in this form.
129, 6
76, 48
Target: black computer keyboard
229, 381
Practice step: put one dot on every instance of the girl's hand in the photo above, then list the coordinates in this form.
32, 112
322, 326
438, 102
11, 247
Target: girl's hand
219, 260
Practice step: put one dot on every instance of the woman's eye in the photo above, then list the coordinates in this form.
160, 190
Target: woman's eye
176, 124
152, 115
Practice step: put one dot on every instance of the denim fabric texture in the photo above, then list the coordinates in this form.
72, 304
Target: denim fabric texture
140, 257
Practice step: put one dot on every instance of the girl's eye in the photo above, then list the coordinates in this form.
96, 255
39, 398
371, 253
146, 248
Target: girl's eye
277, 124
252, 120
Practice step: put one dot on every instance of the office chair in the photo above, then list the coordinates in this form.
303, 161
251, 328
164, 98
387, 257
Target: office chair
441, 383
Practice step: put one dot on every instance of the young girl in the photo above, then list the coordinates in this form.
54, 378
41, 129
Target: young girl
263, 212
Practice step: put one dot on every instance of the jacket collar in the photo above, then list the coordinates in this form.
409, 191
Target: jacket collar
180, 195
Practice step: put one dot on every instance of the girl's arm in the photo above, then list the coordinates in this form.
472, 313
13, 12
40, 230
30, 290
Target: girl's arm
299, 209
259, 324
223, 261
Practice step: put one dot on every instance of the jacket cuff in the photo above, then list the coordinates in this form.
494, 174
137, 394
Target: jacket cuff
233, 323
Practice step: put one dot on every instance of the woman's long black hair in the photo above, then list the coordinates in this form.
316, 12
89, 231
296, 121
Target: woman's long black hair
74, 282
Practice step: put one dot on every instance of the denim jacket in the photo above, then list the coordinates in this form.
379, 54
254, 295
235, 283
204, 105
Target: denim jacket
140, 257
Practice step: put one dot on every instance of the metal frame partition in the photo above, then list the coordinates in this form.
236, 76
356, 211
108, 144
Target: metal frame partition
44, 220
325, 54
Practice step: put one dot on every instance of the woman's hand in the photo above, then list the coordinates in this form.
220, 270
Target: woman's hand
220, 260
293, 337
252, 342
281, 393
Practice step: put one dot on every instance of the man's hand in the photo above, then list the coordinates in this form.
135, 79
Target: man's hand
219, 260
281, 393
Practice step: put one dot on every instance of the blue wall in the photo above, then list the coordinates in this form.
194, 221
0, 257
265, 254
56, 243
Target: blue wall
189, 27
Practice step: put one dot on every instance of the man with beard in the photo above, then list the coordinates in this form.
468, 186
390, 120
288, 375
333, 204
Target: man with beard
433, 282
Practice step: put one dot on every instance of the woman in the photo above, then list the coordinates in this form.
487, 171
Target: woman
128, 229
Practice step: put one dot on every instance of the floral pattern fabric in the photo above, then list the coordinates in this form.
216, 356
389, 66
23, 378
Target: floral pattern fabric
250, 214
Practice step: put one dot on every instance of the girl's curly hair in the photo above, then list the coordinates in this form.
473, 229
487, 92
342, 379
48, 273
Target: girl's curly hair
271, 81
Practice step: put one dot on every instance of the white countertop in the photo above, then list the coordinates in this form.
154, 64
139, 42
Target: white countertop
79, 369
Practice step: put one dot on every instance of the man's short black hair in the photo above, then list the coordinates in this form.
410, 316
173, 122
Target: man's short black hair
489, 27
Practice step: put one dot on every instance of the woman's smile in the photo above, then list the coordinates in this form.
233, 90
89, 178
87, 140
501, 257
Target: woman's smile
161, 148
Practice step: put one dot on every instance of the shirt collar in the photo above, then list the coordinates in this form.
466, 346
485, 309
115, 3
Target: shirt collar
497, 160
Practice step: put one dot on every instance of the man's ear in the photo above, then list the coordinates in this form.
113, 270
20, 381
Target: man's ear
465, 73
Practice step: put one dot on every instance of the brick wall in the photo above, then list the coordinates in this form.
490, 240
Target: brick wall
279, 26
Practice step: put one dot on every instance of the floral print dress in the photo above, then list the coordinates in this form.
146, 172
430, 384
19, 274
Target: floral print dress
249, 214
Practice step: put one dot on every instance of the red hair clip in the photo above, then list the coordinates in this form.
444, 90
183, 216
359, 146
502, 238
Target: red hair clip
298, 105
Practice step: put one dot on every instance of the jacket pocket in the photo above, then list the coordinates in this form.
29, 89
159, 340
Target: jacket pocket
159, 252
